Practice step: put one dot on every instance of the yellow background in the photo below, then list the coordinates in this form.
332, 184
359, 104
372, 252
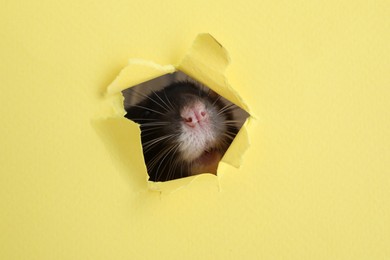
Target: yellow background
314, 184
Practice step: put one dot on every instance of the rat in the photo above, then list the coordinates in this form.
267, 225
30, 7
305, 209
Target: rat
185, 130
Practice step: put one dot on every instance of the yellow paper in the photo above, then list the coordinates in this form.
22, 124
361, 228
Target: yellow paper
313, 183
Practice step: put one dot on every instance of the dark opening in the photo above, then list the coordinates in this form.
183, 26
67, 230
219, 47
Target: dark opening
186, 127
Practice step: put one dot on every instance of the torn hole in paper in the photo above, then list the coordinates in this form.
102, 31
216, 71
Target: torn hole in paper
205, 63
186, 128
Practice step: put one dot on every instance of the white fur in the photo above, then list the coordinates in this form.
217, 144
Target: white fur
195, 140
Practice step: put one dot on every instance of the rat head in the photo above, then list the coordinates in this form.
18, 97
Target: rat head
184, 127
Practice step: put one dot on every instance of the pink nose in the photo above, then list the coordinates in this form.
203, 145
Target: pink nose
194, 115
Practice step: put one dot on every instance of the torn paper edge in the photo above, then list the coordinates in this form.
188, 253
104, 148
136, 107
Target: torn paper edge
206, 62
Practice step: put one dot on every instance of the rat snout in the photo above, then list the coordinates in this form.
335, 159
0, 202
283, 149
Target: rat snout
194, 114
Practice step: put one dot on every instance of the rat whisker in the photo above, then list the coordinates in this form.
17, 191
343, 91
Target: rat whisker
216, 100
148, 147
155, 159
142, 119
227, 107
149, 109
167, 107
151, 128
231, 137
173, 168
150, 143
151, 132
171, 106
147, 125
162, 160
152, 99
232, 121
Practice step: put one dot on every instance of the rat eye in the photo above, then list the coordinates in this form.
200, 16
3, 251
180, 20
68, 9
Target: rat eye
146, 113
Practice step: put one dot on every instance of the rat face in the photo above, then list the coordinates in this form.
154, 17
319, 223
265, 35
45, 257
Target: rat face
200, 128
184, 130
